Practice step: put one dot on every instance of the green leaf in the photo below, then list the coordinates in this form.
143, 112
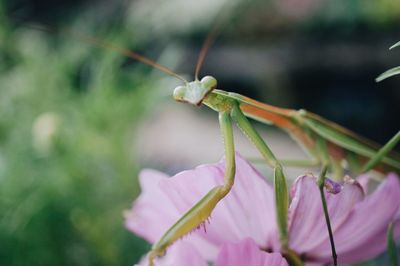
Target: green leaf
394, 45
388, 73
392, 251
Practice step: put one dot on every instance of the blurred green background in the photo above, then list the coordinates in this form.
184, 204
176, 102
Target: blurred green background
77, 122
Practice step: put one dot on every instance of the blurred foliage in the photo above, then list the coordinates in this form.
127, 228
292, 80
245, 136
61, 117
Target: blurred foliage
391, 72
67, 125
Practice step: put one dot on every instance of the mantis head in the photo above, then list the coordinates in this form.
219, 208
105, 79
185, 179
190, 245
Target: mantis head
194, 92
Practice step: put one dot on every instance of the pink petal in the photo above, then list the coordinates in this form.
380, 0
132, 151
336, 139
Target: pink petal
246, 252
180, 254
363, 234
307, 227
314, 264
152, 212
363, 180
248, 211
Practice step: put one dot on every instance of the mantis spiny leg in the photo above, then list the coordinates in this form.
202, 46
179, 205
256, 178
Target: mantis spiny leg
202, 210
289, 162
280, 187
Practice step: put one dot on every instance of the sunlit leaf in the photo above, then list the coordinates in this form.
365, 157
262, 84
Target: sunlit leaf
388, 73
394, 45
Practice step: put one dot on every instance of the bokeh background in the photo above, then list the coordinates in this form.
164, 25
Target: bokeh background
78, 122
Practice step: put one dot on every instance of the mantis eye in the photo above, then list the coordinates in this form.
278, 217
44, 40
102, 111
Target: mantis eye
209, 82
179, 92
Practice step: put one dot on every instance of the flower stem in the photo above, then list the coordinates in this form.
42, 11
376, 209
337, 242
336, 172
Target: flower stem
321, 183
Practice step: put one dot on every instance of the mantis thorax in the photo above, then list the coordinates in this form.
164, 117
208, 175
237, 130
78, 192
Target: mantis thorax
194, 92
218, 102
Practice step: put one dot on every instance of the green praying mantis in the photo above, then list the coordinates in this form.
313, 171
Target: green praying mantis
329, 146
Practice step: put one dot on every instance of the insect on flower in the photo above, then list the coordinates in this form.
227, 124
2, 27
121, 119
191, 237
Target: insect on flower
246, 217
327, 143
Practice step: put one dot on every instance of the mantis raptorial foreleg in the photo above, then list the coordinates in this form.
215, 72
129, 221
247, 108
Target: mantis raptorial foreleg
289, 162
202, 210
300, 163
280, 183
280, 187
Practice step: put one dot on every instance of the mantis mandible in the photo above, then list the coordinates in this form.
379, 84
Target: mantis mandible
328, 144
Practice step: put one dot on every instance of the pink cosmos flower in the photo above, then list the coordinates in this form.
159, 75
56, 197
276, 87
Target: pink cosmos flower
243, 225
245, 252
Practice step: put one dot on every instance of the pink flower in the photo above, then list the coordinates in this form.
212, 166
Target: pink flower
245, 252
359, 222
243, 224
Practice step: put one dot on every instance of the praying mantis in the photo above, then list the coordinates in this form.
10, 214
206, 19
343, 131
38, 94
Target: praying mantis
329, 146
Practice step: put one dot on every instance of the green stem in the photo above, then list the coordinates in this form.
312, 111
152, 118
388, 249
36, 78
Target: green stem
321, 183
392, 251
381, 153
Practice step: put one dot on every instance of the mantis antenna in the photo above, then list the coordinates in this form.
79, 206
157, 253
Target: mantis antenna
222, 20
124, 51
204, 49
